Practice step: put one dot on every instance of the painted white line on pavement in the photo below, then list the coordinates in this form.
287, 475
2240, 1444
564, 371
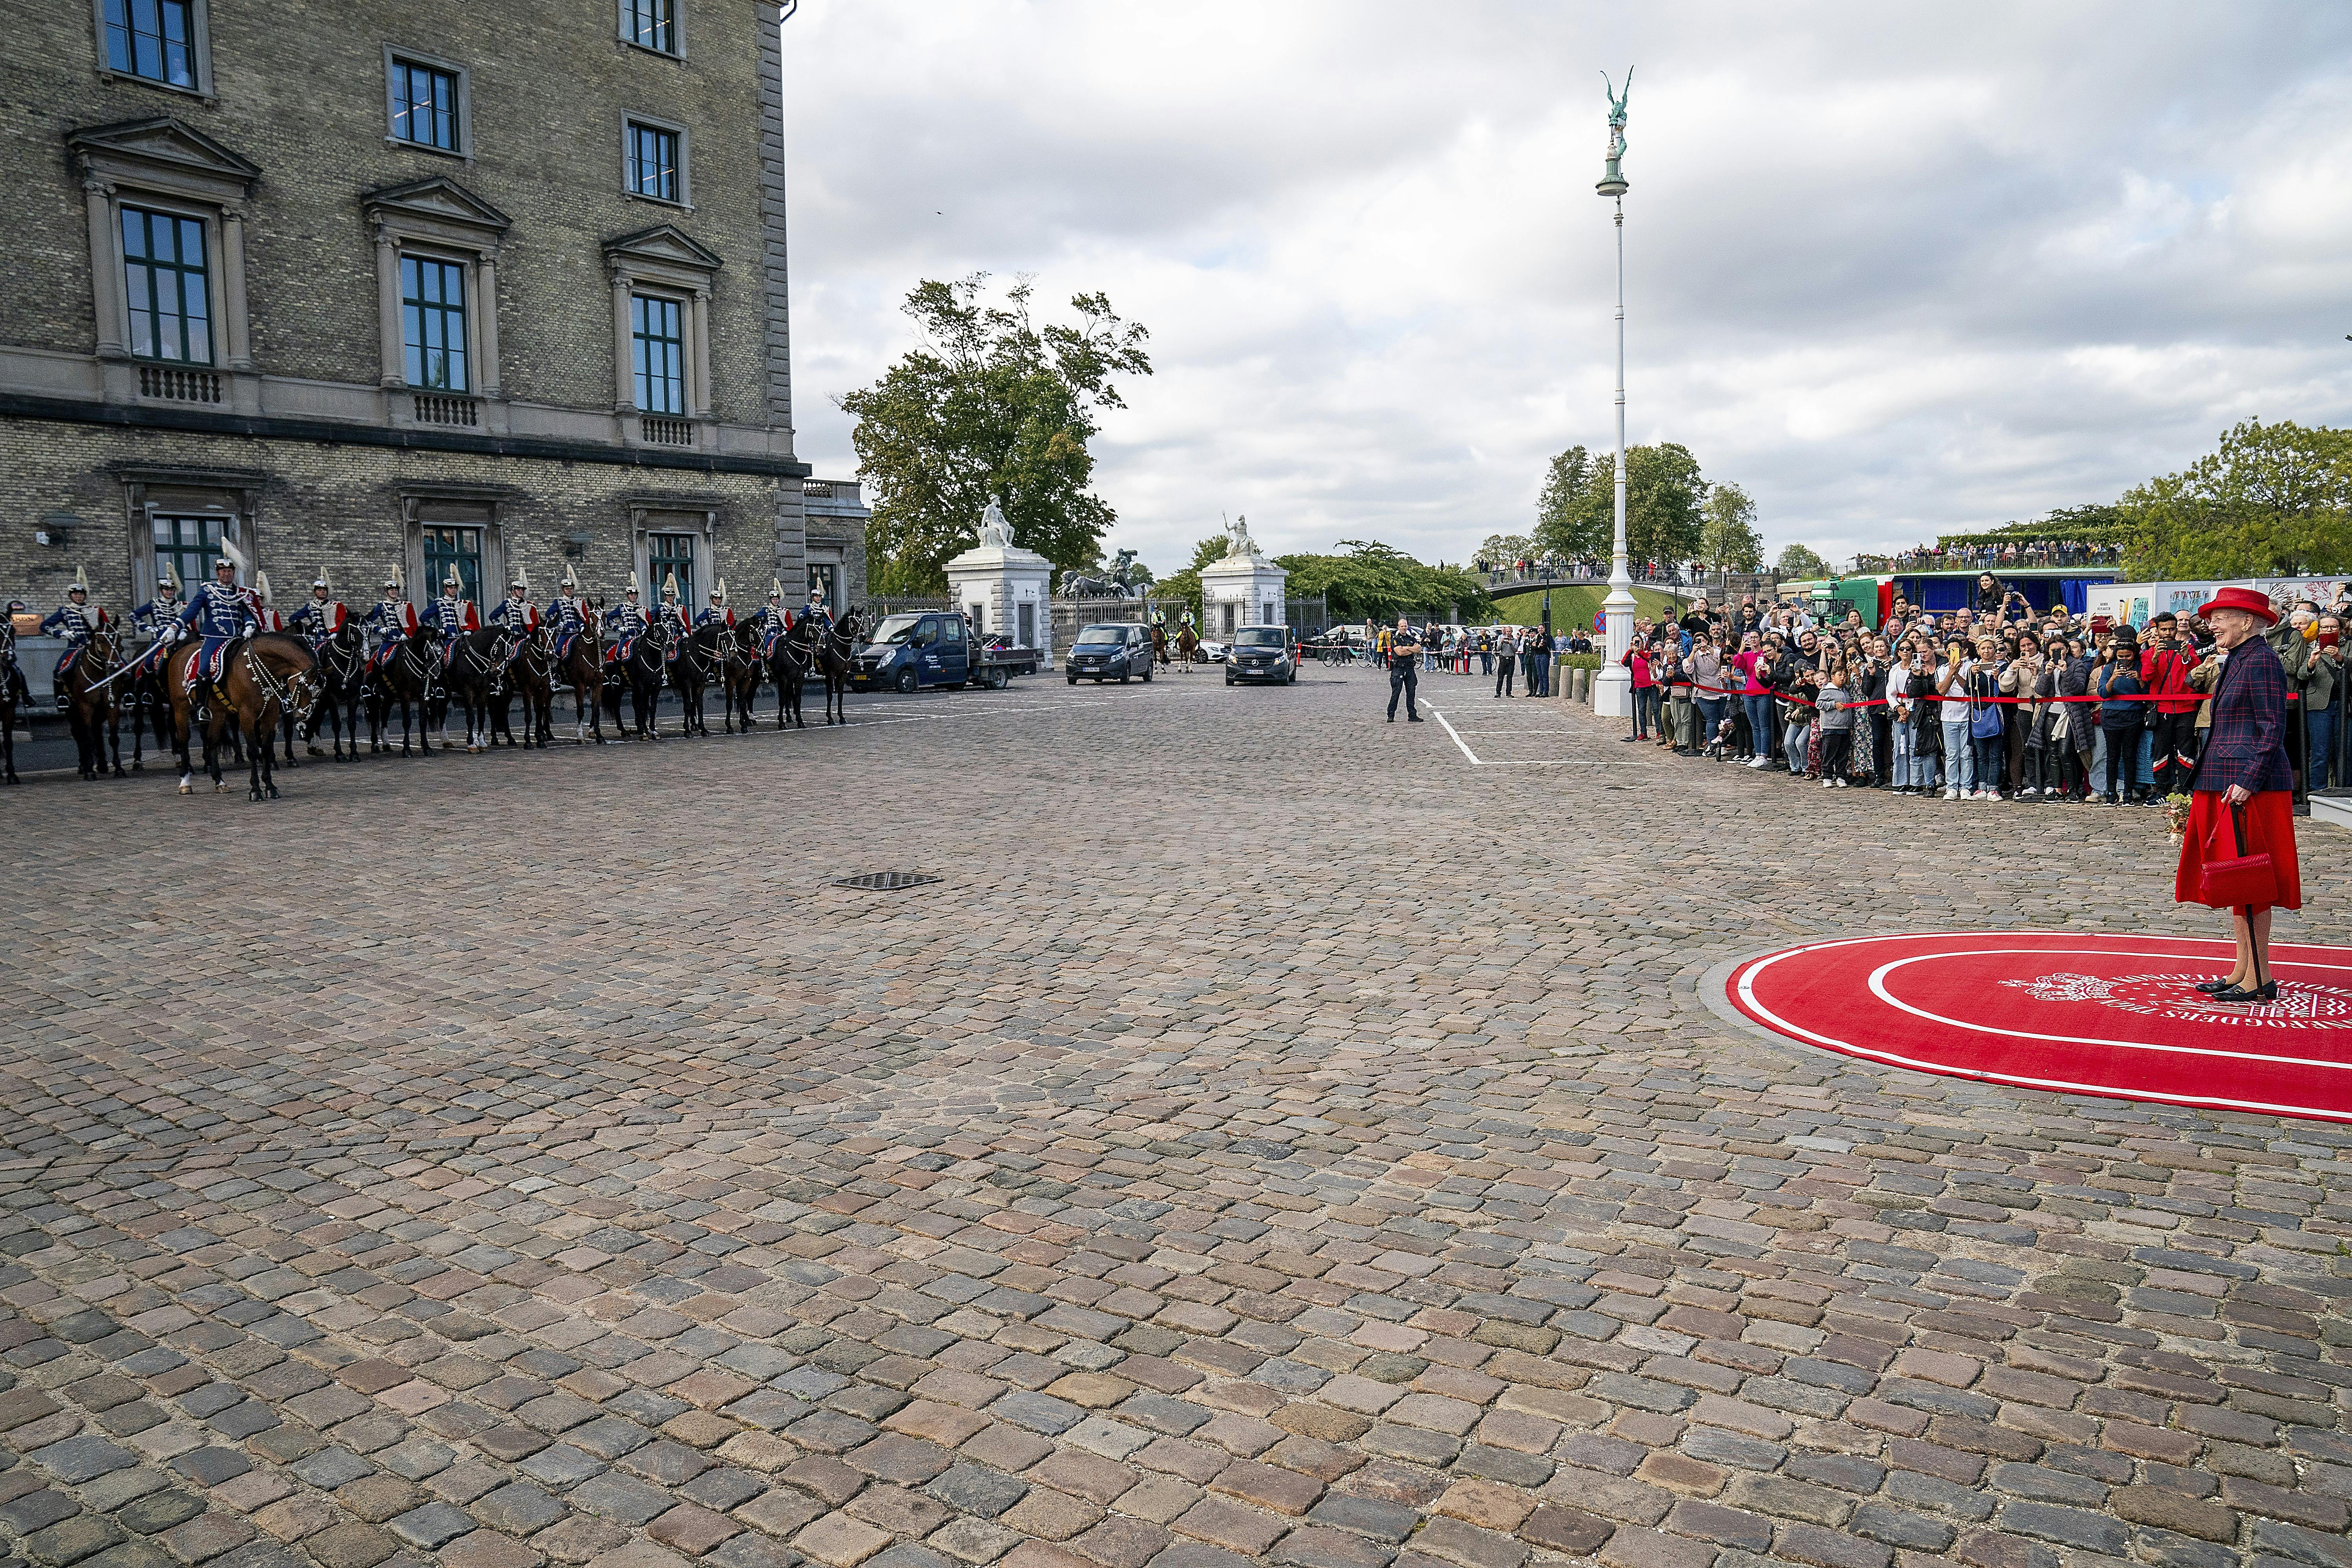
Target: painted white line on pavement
1478, 762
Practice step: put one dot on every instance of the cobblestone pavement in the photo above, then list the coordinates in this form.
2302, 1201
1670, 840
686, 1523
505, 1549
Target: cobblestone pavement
1275, 1140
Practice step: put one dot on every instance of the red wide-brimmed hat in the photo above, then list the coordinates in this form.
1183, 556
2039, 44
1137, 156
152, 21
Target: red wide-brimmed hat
2246, 599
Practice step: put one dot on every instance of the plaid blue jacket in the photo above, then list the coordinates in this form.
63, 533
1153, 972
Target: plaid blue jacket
2247, 744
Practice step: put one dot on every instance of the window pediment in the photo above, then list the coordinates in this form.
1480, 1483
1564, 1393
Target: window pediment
663, 254
163, 154
438, 208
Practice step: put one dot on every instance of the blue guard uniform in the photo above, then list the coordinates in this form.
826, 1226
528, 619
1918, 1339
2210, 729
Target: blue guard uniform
449, 617
516, 617
627, 621
157, 620
74, 621
219, 613
322, 617
771, 621
567, 618
391, 622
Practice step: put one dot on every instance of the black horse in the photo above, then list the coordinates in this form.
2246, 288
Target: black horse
640, 676
788, 668
342, 664
407, 680
831, 651
476, 668
704, 655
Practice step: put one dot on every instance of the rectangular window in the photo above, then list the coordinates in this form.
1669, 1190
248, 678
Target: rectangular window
653, 161
447, 547
666, 553
433, 324
153, 39
659, 345
650, 23
424, 105
164, 279
187, 547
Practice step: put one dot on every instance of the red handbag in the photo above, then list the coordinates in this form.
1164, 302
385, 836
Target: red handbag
2247, 879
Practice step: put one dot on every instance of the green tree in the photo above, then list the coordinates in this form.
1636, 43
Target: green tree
990, 406
1577, 514
1501, 549
1375, 582
1186, 585
2274, 500
1568, 520
1795, 561
1728, 538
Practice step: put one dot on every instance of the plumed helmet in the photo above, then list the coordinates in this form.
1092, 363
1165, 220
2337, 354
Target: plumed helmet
261, 587
669, 585
718, 594
80, 581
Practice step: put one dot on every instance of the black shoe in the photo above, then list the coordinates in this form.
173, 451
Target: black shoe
2266, 991
1391, 718
1413, 719
2215, 987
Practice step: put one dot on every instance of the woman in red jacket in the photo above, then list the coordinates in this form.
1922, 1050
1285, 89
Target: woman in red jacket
2241, 791
1645, 692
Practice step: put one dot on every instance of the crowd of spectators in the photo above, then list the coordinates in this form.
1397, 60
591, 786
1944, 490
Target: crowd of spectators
1968, 705
2010, 554
1585, 568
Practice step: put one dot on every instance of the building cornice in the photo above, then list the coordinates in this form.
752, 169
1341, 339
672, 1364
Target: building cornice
260, 428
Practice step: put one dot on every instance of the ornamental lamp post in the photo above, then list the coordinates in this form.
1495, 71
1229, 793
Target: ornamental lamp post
1612, 686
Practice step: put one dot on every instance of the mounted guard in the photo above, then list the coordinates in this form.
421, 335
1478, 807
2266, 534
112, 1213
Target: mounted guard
74, 621
323, 615
771, 620
627, 621
674, 622
818, 610
392, 621
717, 609
220, 613
451, 615
515, 615
158, 620
567, 615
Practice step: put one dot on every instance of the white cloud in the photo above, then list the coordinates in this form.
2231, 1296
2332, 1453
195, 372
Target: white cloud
1892, 270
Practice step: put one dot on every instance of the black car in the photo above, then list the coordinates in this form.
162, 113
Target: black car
1262, 653
1112, 651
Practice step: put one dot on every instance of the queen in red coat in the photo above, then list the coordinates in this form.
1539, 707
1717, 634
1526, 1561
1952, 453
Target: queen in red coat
2241, 793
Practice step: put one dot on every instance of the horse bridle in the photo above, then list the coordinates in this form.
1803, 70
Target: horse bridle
282, 693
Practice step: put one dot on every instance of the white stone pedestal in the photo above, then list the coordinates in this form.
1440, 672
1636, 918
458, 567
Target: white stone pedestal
1004, 588
1242, 591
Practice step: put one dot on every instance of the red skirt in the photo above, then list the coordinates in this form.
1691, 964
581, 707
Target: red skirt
2269, 829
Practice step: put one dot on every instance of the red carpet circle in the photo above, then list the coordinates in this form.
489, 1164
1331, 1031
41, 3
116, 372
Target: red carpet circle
2070, 1012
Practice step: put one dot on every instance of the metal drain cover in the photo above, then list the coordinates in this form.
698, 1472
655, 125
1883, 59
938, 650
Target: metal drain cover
887, 882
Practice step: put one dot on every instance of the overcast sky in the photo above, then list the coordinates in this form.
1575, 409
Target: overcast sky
1895, 269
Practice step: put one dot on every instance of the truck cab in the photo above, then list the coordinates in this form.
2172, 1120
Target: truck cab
908, 652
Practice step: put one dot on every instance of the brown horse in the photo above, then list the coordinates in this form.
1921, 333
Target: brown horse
1159, 644
263, 678
406, 678
93, 704
1186, 645
582, 668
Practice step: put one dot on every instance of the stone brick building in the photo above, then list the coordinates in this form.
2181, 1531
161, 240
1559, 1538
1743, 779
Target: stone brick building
399, 282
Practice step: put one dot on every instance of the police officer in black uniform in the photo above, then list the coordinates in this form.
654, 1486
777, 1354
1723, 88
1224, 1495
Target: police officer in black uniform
1404, 671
